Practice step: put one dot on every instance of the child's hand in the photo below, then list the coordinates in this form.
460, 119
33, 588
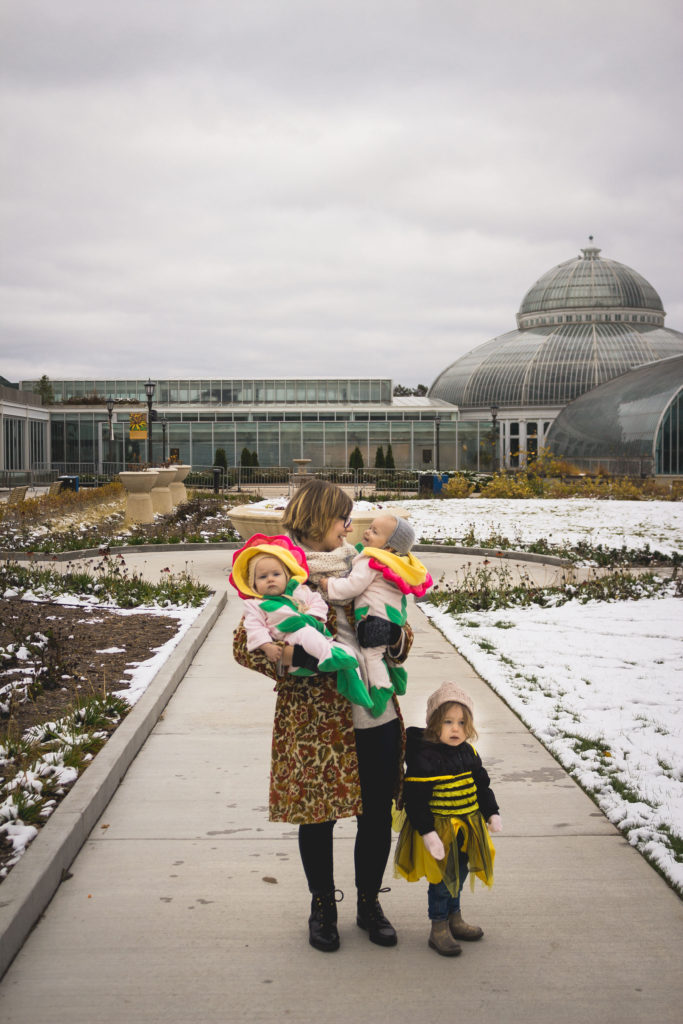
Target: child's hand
434, 845
272, 651
494, 823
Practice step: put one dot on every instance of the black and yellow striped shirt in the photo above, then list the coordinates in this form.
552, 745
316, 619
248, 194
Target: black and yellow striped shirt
443, 780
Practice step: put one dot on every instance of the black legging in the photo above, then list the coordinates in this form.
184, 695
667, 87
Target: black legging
378, 753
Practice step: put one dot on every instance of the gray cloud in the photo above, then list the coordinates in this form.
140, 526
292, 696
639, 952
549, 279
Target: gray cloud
306, 187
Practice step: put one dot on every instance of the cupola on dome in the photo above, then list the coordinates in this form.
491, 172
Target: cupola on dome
590, 282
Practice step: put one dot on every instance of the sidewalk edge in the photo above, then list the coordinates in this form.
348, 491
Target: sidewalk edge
32, 883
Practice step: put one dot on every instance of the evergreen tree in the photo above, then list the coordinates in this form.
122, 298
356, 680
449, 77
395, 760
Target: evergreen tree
379, 458
245, 457
44, 389
389, 459
254, 458
221, 459
356, 459
420, 390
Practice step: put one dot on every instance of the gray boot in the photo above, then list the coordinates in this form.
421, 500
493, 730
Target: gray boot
461, 930
442, 941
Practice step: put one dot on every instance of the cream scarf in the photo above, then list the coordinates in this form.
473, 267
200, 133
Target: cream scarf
329, 563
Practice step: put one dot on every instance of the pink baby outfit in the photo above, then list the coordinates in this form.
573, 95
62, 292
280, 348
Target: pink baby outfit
262, 626
378, 583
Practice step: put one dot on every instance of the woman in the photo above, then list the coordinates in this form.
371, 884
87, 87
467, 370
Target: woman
331, 759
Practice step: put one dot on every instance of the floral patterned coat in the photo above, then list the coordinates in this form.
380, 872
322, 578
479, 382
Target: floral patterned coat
314, 768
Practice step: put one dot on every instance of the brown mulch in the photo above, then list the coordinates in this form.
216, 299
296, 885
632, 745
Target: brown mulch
78, 668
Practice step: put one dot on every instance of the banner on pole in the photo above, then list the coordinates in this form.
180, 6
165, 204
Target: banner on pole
138, 426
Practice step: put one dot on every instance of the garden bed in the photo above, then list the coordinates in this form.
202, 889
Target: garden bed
76, 652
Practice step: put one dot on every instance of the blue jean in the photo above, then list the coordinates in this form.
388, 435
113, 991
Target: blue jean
439, 900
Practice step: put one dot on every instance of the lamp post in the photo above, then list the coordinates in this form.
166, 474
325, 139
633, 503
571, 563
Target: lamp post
494, 418
164, 425
149, 390
110, 414
438, 443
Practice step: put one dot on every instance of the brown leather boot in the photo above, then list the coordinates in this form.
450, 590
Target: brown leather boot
442, 941
461, 930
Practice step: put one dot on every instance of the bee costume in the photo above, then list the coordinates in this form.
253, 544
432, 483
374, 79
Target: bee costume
447, 790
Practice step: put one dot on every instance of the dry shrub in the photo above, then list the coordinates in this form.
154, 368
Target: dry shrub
509, 487
48, 506
458, 487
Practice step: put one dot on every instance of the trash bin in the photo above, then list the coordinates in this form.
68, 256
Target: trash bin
437, 483
426, 483
70, 483
217, 473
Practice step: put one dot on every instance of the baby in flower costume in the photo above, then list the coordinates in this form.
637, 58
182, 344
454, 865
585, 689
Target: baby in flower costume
269, 573
383, 573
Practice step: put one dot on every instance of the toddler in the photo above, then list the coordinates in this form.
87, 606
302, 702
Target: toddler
269, 573
448, 803
382, 574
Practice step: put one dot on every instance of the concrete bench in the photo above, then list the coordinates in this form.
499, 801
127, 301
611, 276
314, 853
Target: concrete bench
55, 487
17, 495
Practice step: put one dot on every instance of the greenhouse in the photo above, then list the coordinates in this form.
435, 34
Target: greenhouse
631, 425
583, 323
277, 421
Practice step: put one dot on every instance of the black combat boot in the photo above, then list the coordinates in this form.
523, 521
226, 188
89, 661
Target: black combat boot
371, 919
322, 924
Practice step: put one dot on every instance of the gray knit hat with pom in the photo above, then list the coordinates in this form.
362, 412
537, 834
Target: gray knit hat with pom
403, 537
448, 692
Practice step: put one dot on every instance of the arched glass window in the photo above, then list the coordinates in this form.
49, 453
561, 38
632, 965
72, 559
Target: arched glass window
669, 447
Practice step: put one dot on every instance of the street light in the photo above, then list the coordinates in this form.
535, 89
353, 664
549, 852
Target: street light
164, 425
149, 389
110, 412
438, 443
494, 417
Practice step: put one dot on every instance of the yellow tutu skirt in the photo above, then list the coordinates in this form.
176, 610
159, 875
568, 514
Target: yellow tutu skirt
413, 860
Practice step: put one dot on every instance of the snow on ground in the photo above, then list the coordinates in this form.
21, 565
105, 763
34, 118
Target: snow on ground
142, 673
600, 684
612, 523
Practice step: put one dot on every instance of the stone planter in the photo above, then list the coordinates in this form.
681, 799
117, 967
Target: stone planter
176, 486
162, 502
248, 520
138, 486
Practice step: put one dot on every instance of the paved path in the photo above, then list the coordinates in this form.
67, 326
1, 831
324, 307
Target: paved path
187, 905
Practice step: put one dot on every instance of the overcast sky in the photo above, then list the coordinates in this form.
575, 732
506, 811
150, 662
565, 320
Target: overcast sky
225, 188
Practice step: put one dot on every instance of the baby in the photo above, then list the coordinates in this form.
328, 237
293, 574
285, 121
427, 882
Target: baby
382, 574
269, 573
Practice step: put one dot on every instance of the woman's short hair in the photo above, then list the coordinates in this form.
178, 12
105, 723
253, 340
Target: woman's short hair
315, 507
433, 730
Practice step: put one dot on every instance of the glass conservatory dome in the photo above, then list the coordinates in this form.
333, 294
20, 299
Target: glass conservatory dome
581, 324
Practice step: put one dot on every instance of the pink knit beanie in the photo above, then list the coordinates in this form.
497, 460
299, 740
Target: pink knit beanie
448, 692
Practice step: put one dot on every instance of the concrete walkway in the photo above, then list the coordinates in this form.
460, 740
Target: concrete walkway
187, 905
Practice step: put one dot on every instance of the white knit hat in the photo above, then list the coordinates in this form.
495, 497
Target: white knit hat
448, 692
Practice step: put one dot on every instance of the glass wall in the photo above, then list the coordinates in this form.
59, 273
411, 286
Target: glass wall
14, 442
38, 444
279, 391
80, 440
669, 446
